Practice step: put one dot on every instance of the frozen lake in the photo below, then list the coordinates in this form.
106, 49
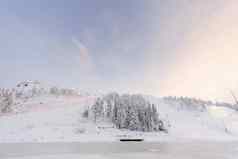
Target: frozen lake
118, 150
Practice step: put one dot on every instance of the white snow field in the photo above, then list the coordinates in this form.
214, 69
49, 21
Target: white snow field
58, 118
55, 119
50, 126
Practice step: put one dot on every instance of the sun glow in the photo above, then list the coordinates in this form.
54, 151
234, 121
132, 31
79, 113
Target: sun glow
208, 59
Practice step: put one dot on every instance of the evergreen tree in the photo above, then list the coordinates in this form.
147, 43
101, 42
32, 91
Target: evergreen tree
97, 109
131, 112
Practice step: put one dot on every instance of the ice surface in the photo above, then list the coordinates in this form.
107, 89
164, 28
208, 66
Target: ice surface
117, 150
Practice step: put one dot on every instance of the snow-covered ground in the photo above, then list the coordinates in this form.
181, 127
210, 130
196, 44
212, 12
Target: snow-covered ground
48, 117
59, 118
116, 150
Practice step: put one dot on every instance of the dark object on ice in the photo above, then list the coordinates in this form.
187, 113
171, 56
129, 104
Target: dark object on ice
128, 140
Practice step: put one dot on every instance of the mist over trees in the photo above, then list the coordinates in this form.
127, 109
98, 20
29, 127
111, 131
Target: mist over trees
62, 91
188, 103
126, 111
27, 90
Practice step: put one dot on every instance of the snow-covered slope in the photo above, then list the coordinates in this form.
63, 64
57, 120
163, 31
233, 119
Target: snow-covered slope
49, 117
198, 124
228, 117
46, 119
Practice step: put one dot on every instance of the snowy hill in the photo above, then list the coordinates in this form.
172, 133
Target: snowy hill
42, 114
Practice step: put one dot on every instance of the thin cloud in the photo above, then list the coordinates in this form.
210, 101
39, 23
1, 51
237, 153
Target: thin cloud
85, 60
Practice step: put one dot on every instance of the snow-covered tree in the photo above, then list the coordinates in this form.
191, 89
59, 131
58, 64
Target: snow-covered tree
54, 91
131, 112
7, 101
97, 109
86, 113
131, 120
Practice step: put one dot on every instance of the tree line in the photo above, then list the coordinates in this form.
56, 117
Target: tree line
126, 111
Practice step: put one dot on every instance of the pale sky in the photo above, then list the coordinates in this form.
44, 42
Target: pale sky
157, 47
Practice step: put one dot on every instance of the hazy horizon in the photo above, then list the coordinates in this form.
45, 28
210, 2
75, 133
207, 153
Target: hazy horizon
177, 48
